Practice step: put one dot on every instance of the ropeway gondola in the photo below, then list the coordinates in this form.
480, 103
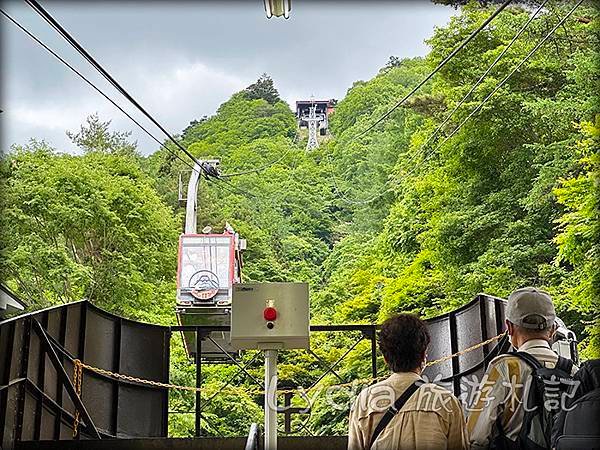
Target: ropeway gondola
209, 264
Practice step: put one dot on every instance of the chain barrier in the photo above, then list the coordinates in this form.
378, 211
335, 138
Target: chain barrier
428, 364
77, 380
466, 350
78, 367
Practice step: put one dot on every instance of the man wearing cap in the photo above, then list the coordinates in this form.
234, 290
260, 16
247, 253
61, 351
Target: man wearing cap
498, 407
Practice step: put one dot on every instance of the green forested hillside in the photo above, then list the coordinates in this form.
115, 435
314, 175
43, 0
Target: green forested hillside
389, 221
488, 209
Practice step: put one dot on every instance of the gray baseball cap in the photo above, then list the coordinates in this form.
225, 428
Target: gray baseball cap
531, 308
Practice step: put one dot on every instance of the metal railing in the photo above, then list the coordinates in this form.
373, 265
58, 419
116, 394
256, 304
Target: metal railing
39, 351
203, 334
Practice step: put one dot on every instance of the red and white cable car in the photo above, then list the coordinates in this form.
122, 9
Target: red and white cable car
208, 266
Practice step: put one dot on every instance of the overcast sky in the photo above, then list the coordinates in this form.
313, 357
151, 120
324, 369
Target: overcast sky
181, 60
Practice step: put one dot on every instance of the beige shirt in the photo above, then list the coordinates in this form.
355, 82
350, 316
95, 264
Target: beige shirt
501, 392
431, 419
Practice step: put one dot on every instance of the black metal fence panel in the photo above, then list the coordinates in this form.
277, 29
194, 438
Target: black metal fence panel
476, 322
38, 400
37, 395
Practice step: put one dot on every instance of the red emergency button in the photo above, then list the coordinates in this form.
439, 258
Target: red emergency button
270, 313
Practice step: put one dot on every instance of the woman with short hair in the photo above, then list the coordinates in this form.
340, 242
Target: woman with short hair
402, 411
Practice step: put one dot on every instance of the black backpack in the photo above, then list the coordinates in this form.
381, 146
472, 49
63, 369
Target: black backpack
580, 426
545, 393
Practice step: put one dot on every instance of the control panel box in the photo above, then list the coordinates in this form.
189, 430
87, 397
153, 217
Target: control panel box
270, 316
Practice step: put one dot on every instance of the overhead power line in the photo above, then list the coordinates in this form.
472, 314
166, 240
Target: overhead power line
258, 169
436, 70
266, 166
350, 201
93, 86
86, 55
485, 74
515, 70
405, 98
498, 86
235, 190
207, 170
480, 105
430, 138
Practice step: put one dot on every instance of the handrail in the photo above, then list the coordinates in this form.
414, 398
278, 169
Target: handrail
253, 437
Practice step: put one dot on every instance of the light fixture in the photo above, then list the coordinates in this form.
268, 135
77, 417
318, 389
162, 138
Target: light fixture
278, 8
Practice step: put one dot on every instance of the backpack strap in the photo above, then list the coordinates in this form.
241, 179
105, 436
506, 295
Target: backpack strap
531, 360
393, 410
564, 364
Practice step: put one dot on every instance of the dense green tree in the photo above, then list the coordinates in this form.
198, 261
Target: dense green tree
477, 213
579, 237
263, 88
94, 136
87, 226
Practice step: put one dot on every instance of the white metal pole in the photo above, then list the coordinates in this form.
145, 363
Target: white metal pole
270, 399
192, 199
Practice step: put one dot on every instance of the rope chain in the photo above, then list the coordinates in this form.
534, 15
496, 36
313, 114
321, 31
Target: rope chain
77, 380
466, 350
79, 366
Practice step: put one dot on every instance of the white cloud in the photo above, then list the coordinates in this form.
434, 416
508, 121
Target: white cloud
195, 79
50, 122
186, 92
45, 117
182, 60
173, 96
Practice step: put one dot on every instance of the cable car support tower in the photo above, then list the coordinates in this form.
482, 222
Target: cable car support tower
314, 116
313, 120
